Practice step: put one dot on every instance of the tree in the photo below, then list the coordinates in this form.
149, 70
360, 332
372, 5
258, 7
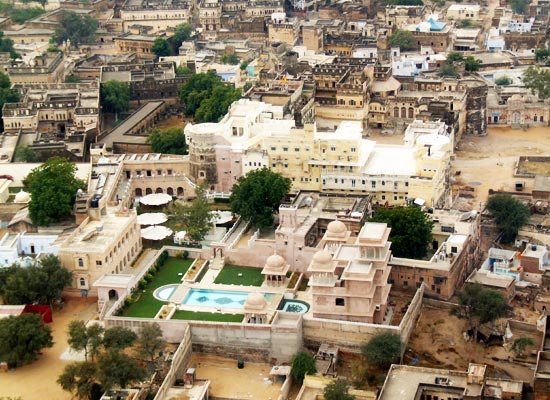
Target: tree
520, 344
383, 349
183, 70
448, 70
78, 378
231, 59
117, 369
161, 47
338, 389
519, 6
21, 15
454, 56
471, 64
168, 141
542, 54
257, 196
22, 338
479, 305
197, 218
243, 65
85, 338
6, 46
206, 97
150, 342
538, 81
411, 230
53, 187
303, 364
26, 154
7, 95
402, 39
55, 278
510, 214
118, 338
466, 23
79, 29
182, 34
72, 79
115, 97
503, 81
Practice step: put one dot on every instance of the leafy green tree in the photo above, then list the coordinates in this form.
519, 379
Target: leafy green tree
479, 305
538, 81
520, 344
448, 70
26, 154
206, 97
182, 34
338, 389
466, 23
402, 39
53, 187
7, 95
503, 81
161, 47
405, 2
54, 49
88, 339
21, 15
168, 141
116, 369
519, 6
6, 46
454, 56
183, 70
115, 97
197, 218
257, 196
383, 349
303, 364
72, 79
230, 59
542, 54
78, 378
471, 64
79, 29
243, 65
149, 342
411, 230
55, 278
510, 214
118, 338
22, 338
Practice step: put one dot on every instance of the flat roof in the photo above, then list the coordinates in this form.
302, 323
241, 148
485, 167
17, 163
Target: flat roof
383, 157
118, 280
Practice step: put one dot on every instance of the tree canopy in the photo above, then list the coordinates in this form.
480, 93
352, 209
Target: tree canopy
6, 46
503, 81
520, 345
207, 98
168, 141
538, 81
519, 6
149, 342
115, 96
183, 33
53, 187
118, 338
411, 230
338, 389
22, 338
542, 54
7, 95
183, 70
231, 59
117, 369
161, 47
257, 196
196, 217
88, 339
471, 64
466, 23
79, 29
24, 153
510, 215
383, 349
402, 39
79, 379
35, 284
448, 70
303, 364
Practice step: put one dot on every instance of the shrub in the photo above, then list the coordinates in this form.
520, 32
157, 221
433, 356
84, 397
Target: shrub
148, 277
185, 255
142, 284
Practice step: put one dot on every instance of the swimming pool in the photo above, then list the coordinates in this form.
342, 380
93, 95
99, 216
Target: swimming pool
218, 298
294, 306
164, 293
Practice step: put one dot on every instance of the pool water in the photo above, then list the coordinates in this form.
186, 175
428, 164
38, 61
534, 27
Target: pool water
164, 293
295, 306
218, 298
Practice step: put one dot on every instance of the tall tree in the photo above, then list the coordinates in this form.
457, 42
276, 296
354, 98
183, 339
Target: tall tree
542, 54
25, 154
303, 364
168, 141
57, 278
411, 230
538, 81
115, 97
197, 218
79, 29
118, 338
257, 196
79, 379
383, 349
53, 187
6, 46
161, 47
471, 64
150, 342
22, 338
338, 389
402, 39
183, 33
116, 369
85, 338
510, 215
7, 95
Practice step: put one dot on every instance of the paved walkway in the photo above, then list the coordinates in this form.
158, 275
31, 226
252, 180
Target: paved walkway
146, 257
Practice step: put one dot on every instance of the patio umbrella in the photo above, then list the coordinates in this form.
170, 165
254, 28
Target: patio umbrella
156, 199
152, 218
222, 217
156, 232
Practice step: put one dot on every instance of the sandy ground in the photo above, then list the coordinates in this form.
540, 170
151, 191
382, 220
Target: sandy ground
37, 381
229, 381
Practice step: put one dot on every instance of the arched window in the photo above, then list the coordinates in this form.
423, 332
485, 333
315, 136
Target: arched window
396, 112
411, 112
352, 102
403, 112
81, 263
82, 282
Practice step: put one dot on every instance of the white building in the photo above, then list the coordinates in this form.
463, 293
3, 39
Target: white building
463, 11
21, 248
507, 24
495, 42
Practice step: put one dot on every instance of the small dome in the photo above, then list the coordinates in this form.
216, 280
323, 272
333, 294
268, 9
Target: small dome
336, 229
275, 262
255, 301
322, 257
22, 197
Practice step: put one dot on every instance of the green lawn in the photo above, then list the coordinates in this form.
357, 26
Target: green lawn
229, 275
147, 306
207, 316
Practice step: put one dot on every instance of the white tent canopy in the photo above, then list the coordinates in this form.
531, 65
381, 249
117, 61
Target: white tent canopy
222, 217
152, 218
156, 199
156, 232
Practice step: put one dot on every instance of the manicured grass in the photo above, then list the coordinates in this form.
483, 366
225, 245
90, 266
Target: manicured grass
229, 275
207, 316
147, 306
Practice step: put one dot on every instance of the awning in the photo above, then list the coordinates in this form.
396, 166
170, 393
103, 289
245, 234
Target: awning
156, 199
156, 232
152, 218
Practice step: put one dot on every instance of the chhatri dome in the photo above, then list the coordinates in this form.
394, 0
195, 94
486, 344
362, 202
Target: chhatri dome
22, 197
255, 303
336, 229
275, 262
322, 257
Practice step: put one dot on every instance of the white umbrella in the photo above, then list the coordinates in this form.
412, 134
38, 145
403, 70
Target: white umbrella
152, 218
156, 199
156, 232
222, 217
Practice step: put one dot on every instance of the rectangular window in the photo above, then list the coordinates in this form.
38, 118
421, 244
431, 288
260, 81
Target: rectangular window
98, 263
273, 148
353, 149
373, 184
149, 172
296, 149
332, 148
159, 172
340, 301
169, 172
285, 148
273, 165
